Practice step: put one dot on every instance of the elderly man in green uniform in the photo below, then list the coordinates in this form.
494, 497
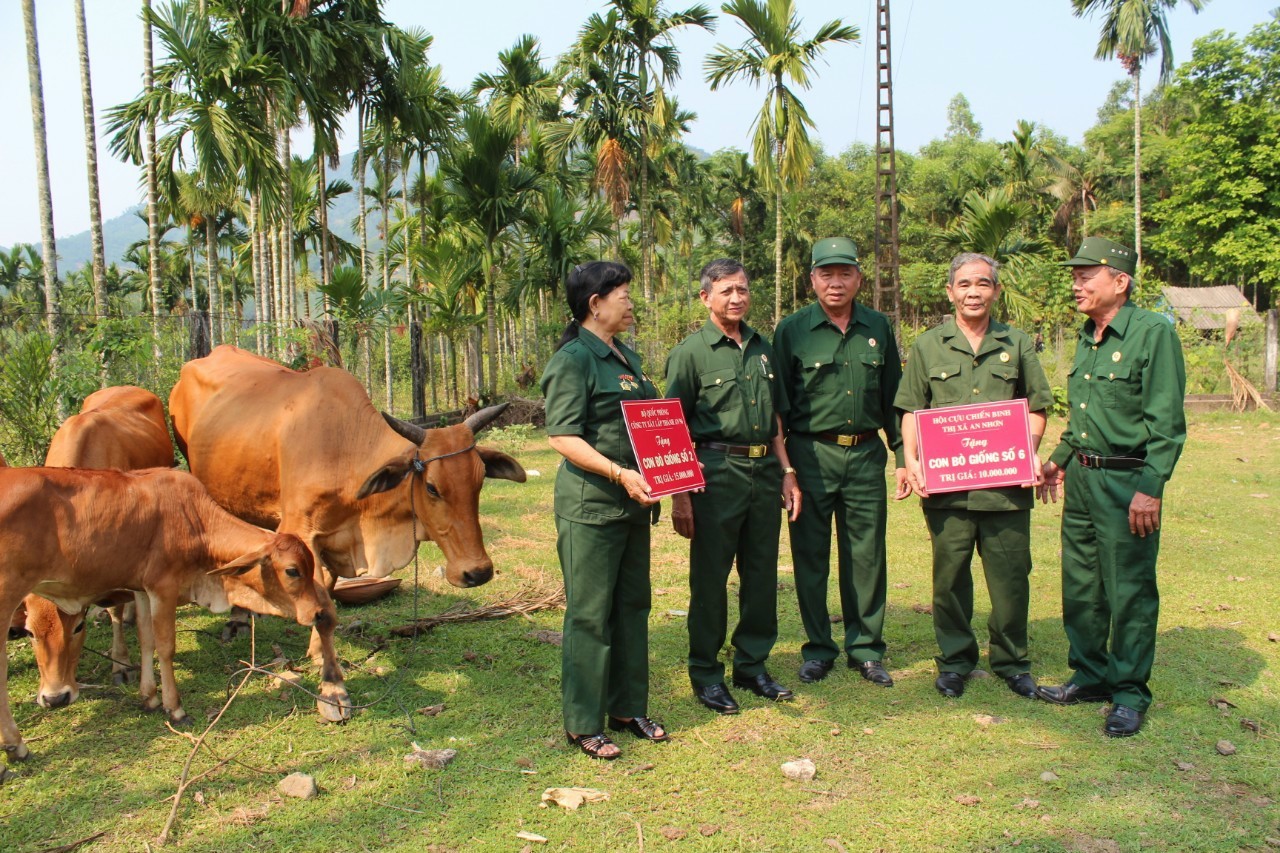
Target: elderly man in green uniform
725, 379
1124, 436
839, 362
971, 358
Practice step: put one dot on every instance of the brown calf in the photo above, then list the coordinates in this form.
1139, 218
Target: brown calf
75, 536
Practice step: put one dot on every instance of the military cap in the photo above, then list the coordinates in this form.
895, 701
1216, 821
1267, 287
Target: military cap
1098, 251
834, 250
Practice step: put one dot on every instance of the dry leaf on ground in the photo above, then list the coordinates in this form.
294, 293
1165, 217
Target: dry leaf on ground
922, 608
1184, 766
1048, 776
967, 799
571, 798
555, 638
433, 758
1225, 747
672, 833
530, 836
431, 710
985, 720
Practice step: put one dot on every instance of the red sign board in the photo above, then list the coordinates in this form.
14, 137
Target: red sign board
664, 450
979, 446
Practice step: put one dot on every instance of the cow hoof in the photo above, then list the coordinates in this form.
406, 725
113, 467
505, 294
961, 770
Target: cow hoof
150, 704
235, 629
179, 719
16, 752
334, 703
120, 679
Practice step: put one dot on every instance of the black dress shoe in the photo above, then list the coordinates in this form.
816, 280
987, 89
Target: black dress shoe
950, 684
1070, 694
716, 697
873, 671
815, 670
1022, 684
1123, 721
763, 686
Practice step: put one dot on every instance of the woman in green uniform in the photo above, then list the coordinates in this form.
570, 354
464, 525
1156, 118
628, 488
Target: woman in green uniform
602, 507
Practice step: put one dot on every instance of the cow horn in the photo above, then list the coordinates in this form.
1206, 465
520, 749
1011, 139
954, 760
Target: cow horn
484, 417
413, 432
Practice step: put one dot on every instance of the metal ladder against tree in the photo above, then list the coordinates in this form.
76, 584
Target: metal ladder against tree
887, 295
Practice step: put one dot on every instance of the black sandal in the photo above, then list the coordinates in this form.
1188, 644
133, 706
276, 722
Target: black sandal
641, 727
592, 744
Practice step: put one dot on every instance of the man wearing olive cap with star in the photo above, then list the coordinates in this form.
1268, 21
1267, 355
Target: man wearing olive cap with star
1125, 431
839, 361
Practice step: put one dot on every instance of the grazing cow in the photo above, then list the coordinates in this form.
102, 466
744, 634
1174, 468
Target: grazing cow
76, 536
123, 428
307, 453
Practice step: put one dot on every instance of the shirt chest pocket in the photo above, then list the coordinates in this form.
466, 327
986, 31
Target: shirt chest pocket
819, 373
1003, 384
719, 391
1121, 389
872, 366
945, 385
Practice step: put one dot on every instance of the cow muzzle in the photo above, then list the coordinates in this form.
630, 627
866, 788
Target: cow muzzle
55, 700
478, 576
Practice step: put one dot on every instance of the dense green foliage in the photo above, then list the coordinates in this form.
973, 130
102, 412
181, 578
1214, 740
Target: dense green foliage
474, 204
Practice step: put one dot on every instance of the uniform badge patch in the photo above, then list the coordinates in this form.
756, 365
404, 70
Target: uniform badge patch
628, 382
1004, 356
1115, 356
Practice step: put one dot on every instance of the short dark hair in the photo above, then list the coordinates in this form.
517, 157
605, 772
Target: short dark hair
718, 269
594, 278
973, 258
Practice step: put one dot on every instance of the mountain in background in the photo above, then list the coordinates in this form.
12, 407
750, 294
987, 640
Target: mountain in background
122, 231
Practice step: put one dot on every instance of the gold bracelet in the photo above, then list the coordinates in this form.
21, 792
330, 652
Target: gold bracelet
615, 472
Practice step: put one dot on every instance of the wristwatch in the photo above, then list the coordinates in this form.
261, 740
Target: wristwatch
788, 470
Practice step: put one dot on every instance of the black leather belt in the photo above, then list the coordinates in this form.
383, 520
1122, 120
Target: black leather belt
752, 451
1089, 460
841, 439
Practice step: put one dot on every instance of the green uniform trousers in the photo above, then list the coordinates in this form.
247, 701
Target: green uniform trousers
1003, 540
849, 484
738, 517
605, 651
1108, 585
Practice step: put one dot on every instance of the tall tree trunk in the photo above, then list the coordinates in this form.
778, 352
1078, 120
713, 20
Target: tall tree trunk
153, 216
777, 256
1137, 166
255, 247
646, 257
288, 284
322, 214
360, 170
491, 327
48, 243
211, 265
91, 166
385, 202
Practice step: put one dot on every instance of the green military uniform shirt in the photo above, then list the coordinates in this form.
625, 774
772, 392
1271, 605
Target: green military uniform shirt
729, 393
1126, 396
845, 381
942, 370
584, 385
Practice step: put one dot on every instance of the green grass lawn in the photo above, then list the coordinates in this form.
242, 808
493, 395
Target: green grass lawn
899, 769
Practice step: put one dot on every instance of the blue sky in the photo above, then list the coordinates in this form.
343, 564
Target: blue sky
1013, 59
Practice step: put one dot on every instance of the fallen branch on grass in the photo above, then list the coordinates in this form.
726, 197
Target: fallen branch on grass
521, 604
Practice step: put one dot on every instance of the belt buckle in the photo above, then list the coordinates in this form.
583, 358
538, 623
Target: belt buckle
1085, 460
757, 451
846, 440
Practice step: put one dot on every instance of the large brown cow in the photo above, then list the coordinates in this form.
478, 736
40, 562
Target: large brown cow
307, 453
123, 428
75, 536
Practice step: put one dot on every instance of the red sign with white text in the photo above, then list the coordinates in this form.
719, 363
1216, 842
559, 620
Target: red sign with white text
664, 450
978, 446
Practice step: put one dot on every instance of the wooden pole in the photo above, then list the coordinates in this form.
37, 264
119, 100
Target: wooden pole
1273, 349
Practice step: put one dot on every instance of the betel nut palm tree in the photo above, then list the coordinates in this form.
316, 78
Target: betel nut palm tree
1134, 30
778, 57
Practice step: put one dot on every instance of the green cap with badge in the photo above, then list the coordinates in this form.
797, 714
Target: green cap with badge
834, 250
1098, 251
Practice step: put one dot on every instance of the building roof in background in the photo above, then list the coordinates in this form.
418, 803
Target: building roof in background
1207, 307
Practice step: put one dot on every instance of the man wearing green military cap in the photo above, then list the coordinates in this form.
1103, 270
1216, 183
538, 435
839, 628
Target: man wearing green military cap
972, 358
726, 379
839, 362
1125, 431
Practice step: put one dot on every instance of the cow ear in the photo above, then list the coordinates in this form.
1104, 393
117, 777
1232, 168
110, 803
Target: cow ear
500, 466
245, 563
385, 478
